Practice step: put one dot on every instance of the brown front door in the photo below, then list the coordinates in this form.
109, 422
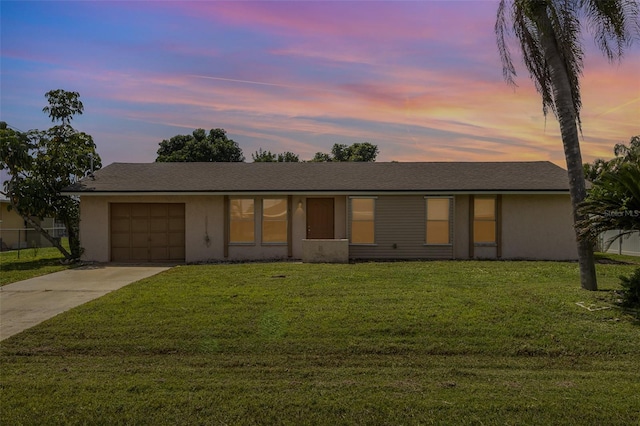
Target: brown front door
320, 218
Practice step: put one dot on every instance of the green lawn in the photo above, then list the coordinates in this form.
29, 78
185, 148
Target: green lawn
28, 263
370, 343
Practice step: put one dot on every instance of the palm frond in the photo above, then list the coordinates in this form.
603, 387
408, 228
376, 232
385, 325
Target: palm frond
613, 24
613, 203
502, 33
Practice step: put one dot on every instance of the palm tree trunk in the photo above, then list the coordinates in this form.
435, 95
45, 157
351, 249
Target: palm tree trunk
567, 118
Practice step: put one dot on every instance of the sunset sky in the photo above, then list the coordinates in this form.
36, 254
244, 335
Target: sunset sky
422, 80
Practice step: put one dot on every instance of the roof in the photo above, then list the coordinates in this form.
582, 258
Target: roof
347, 177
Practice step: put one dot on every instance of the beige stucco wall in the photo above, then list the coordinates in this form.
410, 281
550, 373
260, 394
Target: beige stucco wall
14, 234
10, 221
203, 218
533, 226
325, 251
537, 227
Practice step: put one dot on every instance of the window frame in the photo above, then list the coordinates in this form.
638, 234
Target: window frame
449, 220
231, 221
286, 222
351, 220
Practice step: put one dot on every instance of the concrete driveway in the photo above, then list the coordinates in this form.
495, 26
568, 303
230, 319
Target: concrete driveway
26, 303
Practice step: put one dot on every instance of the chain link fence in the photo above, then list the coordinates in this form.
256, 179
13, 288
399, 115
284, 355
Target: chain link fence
22, 238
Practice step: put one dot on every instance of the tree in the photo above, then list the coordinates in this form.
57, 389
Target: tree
623, 154
613, 201
549, 36
364, 152
200, 146
261, 156
42, 163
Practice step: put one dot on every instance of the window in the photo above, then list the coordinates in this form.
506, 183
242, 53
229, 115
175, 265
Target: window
274, 220
438, 229
484, 220
362, 216
241, 223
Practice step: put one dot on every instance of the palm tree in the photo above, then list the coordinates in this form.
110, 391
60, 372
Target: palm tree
549, 36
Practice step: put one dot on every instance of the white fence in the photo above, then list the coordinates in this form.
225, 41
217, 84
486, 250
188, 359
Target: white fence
629, 245
21, 238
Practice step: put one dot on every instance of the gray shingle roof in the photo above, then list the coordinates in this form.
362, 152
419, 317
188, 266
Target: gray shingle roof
327, 177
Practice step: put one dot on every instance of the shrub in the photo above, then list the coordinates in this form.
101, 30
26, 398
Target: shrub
631, 289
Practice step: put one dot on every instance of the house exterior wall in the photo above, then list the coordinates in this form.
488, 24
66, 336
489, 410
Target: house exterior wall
10, 223
204, 227
14, 234
400, 231
533, 227
203, 218
538, 227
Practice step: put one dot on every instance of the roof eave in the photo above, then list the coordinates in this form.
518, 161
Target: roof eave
323, 192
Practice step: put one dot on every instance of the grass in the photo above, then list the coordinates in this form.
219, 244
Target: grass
31, 262
371, 343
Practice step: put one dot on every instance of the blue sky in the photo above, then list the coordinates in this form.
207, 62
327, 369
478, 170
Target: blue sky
422, 80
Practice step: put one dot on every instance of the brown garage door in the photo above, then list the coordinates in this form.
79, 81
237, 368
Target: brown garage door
147, 232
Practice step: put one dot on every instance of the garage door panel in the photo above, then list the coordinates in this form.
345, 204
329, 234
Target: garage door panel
176, 253
158, 210
140, 210
158, 240
143, 232
120, 210
176, 239
139, 240
158, 225
120, 239
159, 254
139, 224
120, 225
140, 254
176, 210
176, 224
120, 254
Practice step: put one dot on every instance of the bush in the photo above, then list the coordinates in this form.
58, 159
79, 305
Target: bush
631, 289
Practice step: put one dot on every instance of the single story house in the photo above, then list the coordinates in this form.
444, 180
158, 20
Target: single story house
199, 212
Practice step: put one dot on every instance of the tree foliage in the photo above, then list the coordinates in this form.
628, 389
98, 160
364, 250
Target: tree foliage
261, 156
623, 154
42, 163
549, 36
363, 152
200, 146
613, 201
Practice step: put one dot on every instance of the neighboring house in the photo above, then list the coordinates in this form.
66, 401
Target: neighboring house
16, 234
198, 212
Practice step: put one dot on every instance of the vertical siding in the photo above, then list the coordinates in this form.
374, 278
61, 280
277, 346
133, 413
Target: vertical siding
400, 223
